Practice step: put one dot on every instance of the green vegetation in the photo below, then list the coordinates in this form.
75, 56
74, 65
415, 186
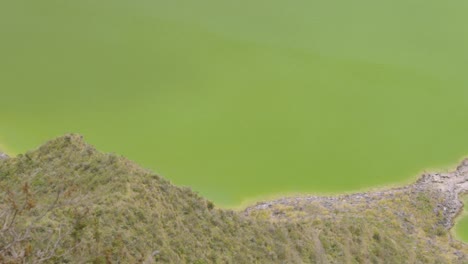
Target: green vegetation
461, 227
68, 203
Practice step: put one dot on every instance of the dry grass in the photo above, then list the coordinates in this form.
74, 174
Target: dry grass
100, 208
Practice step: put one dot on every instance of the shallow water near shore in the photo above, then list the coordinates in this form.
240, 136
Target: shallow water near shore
243, 99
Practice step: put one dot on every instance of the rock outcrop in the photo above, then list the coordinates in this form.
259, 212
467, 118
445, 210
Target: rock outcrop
448, 186
3, 156
83, 206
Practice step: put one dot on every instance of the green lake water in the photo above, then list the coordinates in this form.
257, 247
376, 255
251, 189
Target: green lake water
243, 99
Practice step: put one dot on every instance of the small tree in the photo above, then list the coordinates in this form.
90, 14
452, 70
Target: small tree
17, 236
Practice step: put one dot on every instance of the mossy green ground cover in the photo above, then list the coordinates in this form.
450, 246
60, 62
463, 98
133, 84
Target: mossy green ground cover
461, 229
242, 99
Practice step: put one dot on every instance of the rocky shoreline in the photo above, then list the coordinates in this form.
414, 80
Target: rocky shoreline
106, 208
448, 186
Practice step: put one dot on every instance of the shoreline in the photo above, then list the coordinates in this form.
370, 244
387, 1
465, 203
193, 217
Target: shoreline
407, 224
249, 202
451, 187
451, 182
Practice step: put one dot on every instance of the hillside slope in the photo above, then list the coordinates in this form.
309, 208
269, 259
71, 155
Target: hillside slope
68, 203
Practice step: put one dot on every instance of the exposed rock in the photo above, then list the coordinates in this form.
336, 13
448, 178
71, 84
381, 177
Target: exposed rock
449, 186
3, 156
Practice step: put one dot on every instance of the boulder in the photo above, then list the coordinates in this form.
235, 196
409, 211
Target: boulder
3, 156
